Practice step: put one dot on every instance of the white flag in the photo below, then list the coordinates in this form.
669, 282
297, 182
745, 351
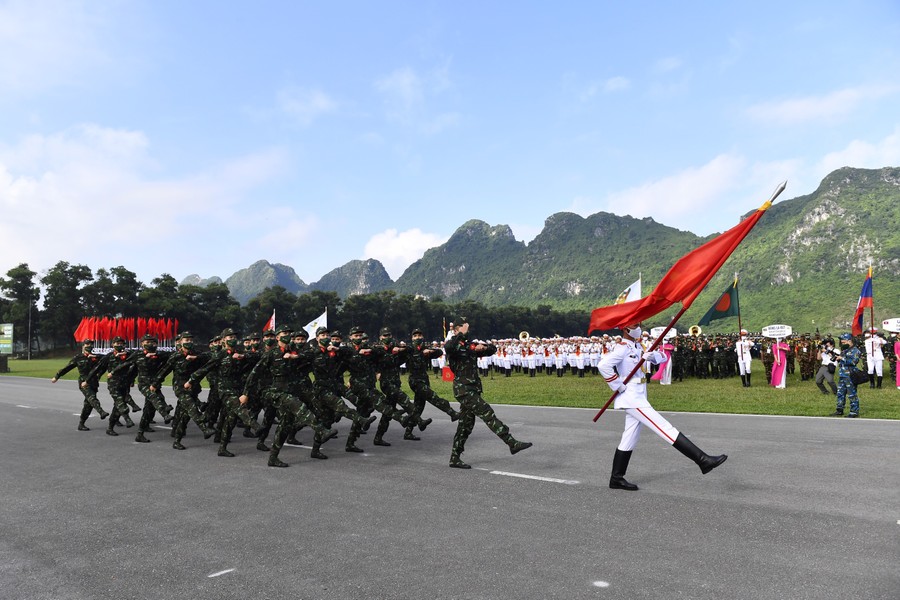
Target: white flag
632, 292
311, 327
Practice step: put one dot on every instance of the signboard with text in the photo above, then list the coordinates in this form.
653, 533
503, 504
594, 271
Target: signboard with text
777, 331
6, 338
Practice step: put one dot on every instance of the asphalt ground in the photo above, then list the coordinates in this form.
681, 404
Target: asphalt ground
803, 508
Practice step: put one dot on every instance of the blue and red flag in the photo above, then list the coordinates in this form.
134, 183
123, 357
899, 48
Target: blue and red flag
865, 301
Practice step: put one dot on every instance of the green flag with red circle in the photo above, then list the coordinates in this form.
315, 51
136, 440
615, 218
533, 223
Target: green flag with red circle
725, 306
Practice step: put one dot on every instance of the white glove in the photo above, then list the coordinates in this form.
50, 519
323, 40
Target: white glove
621, 389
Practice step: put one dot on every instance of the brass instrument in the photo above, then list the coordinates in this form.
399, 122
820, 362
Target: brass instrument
524, 335
695, 330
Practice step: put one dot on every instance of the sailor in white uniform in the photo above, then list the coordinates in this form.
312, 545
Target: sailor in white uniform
632, 397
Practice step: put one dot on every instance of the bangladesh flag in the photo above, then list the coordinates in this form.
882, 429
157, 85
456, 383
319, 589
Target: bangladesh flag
726, 306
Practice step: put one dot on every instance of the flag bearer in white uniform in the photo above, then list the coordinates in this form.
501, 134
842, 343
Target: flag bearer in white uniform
615, 367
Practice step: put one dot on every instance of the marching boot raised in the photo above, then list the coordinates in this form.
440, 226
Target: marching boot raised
620, 466
706, 462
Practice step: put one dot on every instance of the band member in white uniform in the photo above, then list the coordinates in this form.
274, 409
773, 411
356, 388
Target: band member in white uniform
742, 349
615, 367
875, 358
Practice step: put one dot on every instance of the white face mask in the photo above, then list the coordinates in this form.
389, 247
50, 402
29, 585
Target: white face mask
634, 333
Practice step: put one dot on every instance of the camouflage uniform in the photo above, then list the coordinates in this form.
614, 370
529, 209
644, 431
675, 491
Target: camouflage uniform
418, 362
389, 367
463, 360
147, 363
118, 386
182, 364
847, 362
361, 362
229, 365
276, 366
88, 382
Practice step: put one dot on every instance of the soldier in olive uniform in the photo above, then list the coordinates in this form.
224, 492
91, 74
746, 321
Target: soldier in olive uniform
275, 370
117, 386
87, 384
228, 364
182, 364
462, 355
147, 362
418, 361
361, 361
389, 369
213, 401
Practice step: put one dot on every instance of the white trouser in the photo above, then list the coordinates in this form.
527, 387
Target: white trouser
876, 366
648, 417
744, 366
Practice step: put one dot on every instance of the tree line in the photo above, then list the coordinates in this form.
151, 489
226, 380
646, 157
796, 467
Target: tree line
53, 304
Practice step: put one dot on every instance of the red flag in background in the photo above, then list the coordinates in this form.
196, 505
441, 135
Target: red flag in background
79, 335
684, 281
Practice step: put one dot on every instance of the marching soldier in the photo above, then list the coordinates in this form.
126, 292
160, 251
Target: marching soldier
463, 354
420, 355
88, 381
147, 363
117, 386
388, 366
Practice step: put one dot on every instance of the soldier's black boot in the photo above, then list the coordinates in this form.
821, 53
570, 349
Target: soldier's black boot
878, 385
274, 461
177, 445
454, 415
140, 438
706, 462
409, 435
134, 406
128, 421
104, 414
748, 379
82, 426
515, 446
248, 433
744, 380
423, 423
457, 463
316, 452
261, 446
871, 383
223, 450
620, 465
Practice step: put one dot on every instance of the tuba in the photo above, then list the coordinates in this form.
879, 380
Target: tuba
695, 330
523, 335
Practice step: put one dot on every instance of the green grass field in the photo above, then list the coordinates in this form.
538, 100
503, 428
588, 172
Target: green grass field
801, 398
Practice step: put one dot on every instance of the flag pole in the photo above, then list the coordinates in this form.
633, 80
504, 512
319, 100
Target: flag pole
740, 326
640, 363
872, 307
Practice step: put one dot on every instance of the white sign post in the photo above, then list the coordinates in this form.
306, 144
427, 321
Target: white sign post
892, 325
777, 331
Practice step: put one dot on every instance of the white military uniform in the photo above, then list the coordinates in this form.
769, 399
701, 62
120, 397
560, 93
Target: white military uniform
742, 349
623, 358
874, 355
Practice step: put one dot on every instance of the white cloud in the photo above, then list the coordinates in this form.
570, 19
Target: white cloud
397, 250
828, 107
408, 96
669, 63
678, 200
616, 84
46, 44
862, 155
80, 194
305, 106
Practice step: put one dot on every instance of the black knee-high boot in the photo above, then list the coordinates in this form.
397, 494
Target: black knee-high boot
620, 465
706, 462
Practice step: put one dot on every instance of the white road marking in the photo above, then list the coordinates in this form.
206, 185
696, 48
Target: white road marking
220, 573
163, 427
23, 406
536, 478
601, 584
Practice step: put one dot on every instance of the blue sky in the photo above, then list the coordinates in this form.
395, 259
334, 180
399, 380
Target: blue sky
198, 137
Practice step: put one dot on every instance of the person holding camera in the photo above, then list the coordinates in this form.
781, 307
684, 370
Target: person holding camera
846, 365
828, 356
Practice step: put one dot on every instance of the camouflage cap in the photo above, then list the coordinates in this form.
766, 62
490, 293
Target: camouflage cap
284, 329
417, 331
147, 338
337, 334
254, 336
87, 341
356, 329
458, 321
227, 331
301, 333
118, 340
384, 331
321, 330
215, 339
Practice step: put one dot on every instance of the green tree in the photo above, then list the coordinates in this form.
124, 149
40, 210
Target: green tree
23, 296
63, 302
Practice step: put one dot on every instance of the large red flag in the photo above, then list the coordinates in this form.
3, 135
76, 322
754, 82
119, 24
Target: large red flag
684, 281
79, 335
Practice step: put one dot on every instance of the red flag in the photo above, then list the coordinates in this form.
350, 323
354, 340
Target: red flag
79, 334
270, 324
865, 301
447, 374
684, 281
